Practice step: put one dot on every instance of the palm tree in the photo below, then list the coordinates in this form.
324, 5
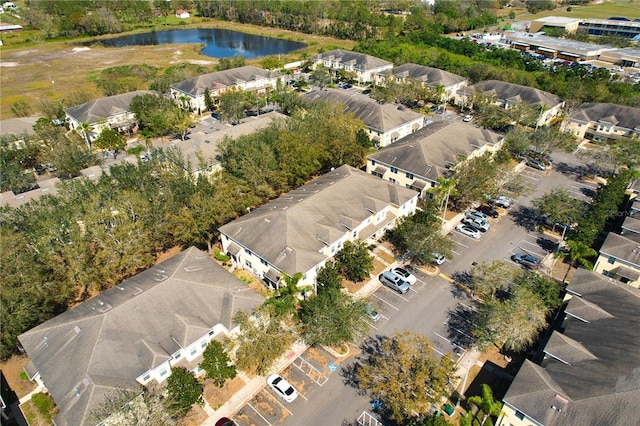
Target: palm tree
285, 299
446, 188
439, 94
486, 403
578, 255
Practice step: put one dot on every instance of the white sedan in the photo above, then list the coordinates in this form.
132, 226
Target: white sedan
406, 275
469, 231
282, 387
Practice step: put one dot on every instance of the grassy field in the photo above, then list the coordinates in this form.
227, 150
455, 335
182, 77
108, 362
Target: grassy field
34, 70
603, 10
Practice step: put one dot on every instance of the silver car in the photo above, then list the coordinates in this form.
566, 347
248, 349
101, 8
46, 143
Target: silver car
394, 282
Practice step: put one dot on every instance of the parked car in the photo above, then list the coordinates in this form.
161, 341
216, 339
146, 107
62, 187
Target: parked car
502, 201
374, 315
467, 118
476, 215
366, 91
438, 258
525, 260
488, 210
394, 282
225, 421
535, 163
282, 387
469, 231
406, 275
480, 225
216, 116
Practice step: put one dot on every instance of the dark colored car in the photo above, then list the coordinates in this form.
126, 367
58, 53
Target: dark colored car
525, 260
488, 210
225, 421
216, 116
366, 91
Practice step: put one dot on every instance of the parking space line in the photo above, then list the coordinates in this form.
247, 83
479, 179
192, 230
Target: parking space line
454, 252
380, 298
278, 402
458, 242
452, 344
468, 307
459, 331
437, 351
258, 413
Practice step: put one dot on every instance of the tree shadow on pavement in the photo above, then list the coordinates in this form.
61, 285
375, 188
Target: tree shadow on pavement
371, 345
572, 169
525, 217
460, 326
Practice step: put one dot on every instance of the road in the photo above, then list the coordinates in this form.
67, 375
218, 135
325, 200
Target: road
427, 308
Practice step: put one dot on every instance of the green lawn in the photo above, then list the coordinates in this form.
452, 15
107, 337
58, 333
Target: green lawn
626, 8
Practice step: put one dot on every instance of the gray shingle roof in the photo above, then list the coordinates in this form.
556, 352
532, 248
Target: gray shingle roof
621, 248
430, 151
428, 75
222, 79
363, 61
110, 340
617, 115
103, 108
289, 231
381, 117
598, 382
515, 93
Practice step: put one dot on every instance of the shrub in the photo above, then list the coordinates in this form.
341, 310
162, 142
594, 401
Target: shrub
218, 255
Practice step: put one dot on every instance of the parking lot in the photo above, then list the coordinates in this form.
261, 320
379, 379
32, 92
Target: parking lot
308, 373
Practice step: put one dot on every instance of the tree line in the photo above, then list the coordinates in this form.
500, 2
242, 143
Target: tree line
58, 251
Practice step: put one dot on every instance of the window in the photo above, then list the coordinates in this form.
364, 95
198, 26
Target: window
392, 180
246, 262
194, 351
355, 234
519, 415
611, 260
394, 170
249, 252
163, 372
409, 175
211, 333
373, 162
146, 378
264, 262
177, 355
204, 344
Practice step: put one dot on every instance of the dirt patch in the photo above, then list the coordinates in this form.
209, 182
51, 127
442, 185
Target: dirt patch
12, 369
386, 257
378, 267
216, 396
252, 281
353, 287
32, 415
196, 417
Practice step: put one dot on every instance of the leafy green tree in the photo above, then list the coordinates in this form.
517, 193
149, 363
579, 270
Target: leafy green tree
329, 278
416, 238
184, 391
85, 129
543, 286
271, 63
208, 99
354, 261
490, 280
486, 403
134, 406
547, 139
232, 104
216, 363
405, 374
333, 317
579, 254
475, 177
512, 321
261, 341
560, 206
111, 140
321, 76
156, 114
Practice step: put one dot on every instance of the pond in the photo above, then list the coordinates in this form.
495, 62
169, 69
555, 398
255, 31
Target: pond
218, 43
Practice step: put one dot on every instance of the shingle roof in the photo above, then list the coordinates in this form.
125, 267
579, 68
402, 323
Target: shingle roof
289, 231
111, 339
103, 108
617, 115
621, 248
515, 92
430, 151
598, 381
222, 79
431, 76
363, 61
381, 117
